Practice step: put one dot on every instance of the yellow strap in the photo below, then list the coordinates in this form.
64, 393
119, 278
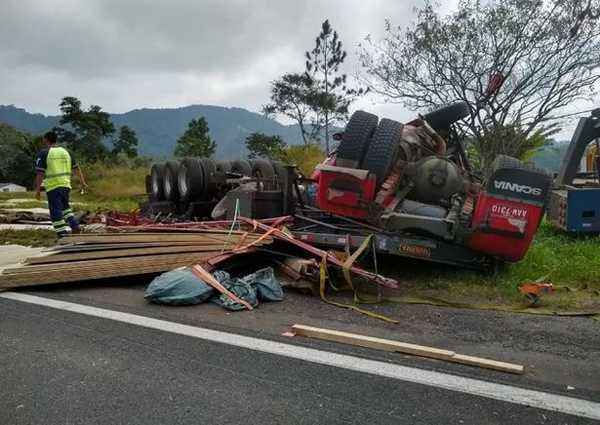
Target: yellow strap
364, 298
351, 259
370, 299
570, 289
323, 278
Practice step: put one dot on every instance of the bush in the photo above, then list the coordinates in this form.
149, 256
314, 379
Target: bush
107, 181
305, 158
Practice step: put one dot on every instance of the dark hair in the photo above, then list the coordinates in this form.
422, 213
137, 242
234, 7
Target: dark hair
51, 136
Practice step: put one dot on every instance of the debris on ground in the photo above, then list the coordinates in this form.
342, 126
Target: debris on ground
303, 272
184, 287
105, 255
41, 216
25, 216
402, 347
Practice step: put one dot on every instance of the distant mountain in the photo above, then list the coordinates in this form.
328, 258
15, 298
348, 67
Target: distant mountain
159, 129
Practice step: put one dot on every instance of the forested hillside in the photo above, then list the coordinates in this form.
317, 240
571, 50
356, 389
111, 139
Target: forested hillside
159, 129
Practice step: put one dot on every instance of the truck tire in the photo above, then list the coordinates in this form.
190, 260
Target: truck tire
242, 167
504, 162
444, 117
170, 181
190, 180
279, 168
157, 176
263, 169
209, 168
357, 136
383, 149
223, 166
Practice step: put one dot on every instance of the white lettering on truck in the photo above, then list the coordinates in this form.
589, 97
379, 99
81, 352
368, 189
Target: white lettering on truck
520, 188
509, 211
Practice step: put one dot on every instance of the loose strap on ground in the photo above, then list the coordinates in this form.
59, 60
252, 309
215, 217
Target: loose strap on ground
372, 299
322, 281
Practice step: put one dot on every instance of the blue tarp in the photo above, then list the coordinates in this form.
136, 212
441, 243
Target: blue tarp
182, 287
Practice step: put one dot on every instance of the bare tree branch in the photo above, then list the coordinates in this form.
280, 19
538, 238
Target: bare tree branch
547, 50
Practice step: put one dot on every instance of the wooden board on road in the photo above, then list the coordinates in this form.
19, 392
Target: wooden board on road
403, 347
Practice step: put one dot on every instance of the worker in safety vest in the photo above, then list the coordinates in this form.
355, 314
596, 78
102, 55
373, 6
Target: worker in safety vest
57, 163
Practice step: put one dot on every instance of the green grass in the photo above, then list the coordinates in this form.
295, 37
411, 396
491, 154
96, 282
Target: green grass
85, 202
29, 204
574, 261
115, 182
115, 188
33, 237
15, 195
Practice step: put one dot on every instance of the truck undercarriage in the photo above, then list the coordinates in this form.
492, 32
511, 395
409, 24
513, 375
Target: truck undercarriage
409, 185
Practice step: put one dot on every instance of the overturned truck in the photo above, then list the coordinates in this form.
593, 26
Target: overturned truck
409, 185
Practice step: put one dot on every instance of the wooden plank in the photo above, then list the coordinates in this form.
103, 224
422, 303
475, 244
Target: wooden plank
487, 364
166, 229
100, 264
402, 347
161, 237
159, 233
15, 281
116, 253
35, 272
371, 342
108, 246
208, 278
138, 237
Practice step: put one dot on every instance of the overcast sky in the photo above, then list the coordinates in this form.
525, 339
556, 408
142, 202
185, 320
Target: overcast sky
132, 54
128, 54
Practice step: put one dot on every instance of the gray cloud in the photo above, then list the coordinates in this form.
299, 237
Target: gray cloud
156, 53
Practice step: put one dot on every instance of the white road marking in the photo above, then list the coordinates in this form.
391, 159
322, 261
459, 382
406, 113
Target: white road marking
507, 393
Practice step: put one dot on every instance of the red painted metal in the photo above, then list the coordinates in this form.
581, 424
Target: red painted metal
345, 194
503, 228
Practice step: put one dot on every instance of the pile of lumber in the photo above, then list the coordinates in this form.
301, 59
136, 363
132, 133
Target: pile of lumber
104, 255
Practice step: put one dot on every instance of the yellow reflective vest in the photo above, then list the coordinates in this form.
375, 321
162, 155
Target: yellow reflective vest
58, 168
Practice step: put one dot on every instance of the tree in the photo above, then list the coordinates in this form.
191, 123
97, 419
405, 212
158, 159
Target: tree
196, 141
262, 146
19, 151
332, 97
87, 129
305, 158
511, 141
547, 54
319, 96
126, 143
291, 95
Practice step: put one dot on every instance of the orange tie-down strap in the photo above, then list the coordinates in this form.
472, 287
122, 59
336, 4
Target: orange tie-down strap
210, 280
370, 276
243, 237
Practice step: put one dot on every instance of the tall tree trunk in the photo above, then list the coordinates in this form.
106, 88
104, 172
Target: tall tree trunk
327, 131
326, 68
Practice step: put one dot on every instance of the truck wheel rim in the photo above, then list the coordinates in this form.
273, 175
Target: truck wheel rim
168, 182
155, 187
183, 187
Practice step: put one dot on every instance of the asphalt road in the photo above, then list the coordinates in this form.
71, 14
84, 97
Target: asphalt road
60, 366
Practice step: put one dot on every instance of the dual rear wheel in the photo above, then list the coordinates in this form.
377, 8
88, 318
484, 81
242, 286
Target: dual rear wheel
193, 180
373, 144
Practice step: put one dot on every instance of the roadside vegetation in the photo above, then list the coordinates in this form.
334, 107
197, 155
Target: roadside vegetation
570, 260
33, 237
117, 187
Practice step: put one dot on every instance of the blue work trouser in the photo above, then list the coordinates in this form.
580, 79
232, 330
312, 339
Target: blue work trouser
60, 211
